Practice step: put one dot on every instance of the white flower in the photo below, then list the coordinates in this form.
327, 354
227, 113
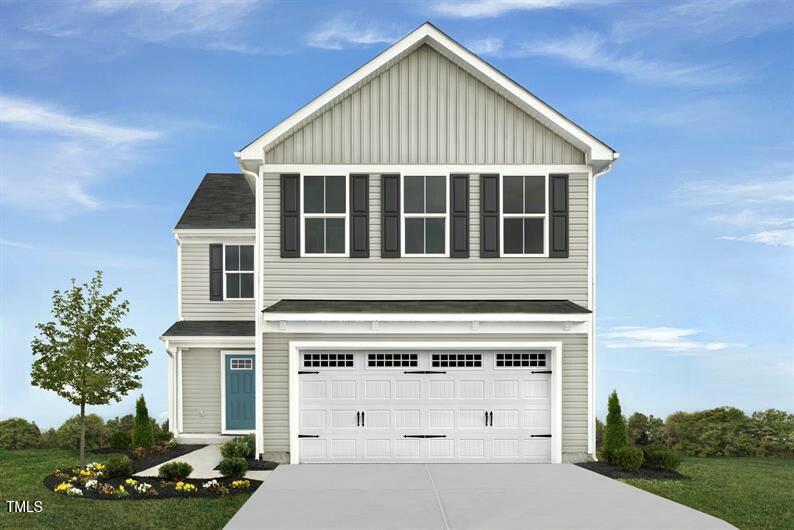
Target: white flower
91, 485
211, 484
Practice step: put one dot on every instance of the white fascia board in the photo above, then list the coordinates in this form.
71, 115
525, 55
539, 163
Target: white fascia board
425, 317
596, 150
188, 233
207, 342
473, 327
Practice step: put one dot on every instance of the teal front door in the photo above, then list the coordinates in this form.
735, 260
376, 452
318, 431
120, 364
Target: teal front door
239, 392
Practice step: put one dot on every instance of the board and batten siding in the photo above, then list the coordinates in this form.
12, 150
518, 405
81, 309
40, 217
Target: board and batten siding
275, 366
201, 391
438, 278
423, 109
196, 304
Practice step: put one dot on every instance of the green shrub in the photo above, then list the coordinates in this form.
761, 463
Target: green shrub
716, 432
161, 433
615, 436
68, 435
175, 471
239, 447
119, 466
120, 440
629, 458
645, 430
48, 439
656, 457
772, 432
16, 433
233, 467
142, 435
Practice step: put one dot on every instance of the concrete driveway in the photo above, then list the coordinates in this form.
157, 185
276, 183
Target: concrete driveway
457, 496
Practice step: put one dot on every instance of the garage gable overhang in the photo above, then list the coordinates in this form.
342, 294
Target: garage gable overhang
405, 316
598, 153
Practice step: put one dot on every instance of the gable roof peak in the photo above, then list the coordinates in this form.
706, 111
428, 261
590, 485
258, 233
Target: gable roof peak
599, 153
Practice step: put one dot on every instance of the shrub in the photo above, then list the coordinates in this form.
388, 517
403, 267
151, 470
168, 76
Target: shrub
68, 435
16, 433
615, 437
120, 440
629, 458
645, 430
656, 457
48, 439
772, 432
234, 467
142, 435
239, 447
161, 433
175, 471
599, 434
123, 424
119, 466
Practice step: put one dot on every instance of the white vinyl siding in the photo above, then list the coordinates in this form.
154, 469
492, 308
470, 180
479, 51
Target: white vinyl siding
423, 109
426, 277
196, 304
276, 376
201, 391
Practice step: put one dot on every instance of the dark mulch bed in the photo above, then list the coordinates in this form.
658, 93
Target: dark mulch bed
154, 460
258, 465
608, 470
167, 492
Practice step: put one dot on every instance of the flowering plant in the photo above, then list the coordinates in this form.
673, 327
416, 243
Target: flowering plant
91, 484
130, 482
120, 492
241, 484
214, 486
59, 474
143, 488
67, 489
185, 487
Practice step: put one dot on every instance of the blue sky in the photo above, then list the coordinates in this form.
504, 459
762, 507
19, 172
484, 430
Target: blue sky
112, 111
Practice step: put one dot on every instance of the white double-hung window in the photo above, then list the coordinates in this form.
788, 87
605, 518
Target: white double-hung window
524, 215
238, 272
425, 215
324, 209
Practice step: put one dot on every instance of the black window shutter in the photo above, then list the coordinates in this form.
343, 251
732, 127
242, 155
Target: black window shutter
216, 272
390, 216
359, 216
489, 216
459, 218
290, 216
558, 216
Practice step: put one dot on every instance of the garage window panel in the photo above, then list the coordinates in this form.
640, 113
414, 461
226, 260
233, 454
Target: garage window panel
392, 360
328, 360
521, 360
456, 360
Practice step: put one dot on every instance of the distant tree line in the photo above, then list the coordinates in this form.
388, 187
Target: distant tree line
723, 431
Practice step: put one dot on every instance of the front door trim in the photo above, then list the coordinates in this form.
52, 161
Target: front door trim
297, 347
223, 356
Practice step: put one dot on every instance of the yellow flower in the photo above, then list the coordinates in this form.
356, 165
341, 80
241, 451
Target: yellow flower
241, 484
130, 482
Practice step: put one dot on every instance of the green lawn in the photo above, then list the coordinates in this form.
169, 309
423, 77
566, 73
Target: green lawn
21, 475
750, 493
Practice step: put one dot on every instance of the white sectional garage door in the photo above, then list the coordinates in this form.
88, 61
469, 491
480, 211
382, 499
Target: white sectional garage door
425, 406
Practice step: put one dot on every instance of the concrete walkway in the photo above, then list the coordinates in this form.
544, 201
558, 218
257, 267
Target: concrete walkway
203, 461
459, 497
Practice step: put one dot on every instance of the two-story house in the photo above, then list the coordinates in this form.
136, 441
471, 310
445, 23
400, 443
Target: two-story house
403, 271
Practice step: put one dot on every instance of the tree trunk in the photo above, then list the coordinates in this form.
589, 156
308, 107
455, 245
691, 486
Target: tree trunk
82, 434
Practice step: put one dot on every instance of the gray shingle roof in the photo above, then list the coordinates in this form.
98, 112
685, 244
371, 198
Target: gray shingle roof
211, 328
425, 306
222, 200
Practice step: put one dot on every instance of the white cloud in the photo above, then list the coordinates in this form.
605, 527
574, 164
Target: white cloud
659, 338
495, 8
340, 33
59, 156
763, 208
15, 244
35, 116
489, 46
590, 50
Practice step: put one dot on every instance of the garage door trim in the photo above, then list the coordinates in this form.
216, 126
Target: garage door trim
296, 348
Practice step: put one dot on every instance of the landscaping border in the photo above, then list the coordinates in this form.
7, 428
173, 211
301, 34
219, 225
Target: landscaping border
616, 472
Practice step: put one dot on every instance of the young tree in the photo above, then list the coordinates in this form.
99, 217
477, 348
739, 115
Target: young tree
84, 355
142, 432
615, 435
639, 429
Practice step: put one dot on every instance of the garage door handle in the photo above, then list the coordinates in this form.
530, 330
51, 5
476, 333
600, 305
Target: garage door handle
491, 418
540, 372
424, 435
301, 372
540, 436
424, 372
358, 414
486, 418
308, 436
362, 419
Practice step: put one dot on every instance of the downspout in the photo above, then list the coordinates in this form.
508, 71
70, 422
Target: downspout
259, 372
